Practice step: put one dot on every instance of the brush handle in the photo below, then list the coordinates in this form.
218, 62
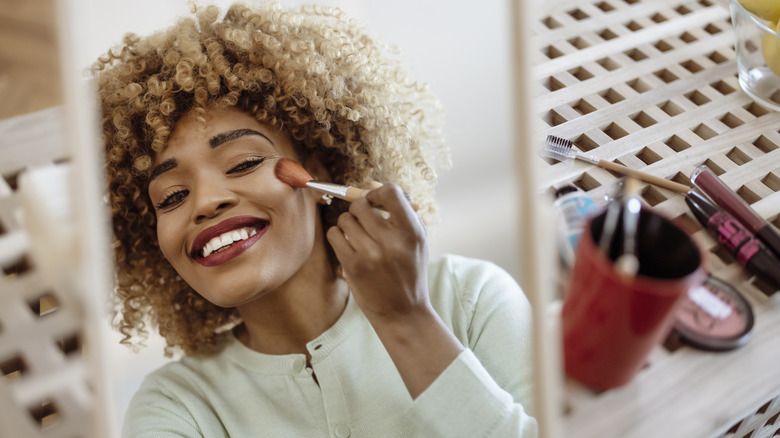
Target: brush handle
347, 193
660, 182
352, 193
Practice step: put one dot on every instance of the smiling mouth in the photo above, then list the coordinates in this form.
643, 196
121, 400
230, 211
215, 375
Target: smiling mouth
237, 233
226, 240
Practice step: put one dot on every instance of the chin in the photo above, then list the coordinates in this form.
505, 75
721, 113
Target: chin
232, 290
234, 298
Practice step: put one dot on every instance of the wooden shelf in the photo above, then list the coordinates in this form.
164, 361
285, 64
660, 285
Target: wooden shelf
652, 84
687, 393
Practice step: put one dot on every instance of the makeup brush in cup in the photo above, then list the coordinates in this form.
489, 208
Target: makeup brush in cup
627, 264
611, 219
561, 149
293, 174
622, 211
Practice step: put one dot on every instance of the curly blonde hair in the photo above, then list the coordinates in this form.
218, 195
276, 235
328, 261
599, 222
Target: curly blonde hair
314, 74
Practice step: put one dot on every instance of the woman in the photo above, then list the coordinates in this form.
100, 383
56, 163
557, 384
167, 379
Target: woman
296, 317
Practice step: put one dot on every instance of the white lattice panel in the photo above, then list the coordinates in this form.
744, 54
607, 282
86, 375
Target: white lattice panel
54, 288
44, 388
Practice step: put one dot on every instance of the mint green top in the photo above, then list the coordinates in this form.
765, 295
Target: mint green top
241, 393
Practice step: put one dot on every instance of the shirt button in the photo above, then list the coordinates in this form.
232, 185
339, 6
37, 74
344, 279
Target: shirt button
342, 431
299, 364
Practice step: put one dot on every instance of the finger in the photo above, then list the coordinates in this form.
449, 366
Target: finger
410, 198
376, 184
339, 243
373, 220
360, 240
393, 200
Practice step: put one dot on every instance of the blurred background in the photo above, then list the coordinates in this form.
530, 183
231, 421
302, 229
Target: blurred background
461, 49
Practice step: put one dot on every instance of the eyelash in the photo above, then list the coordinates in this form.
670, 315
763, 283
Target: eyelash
172, 199
177, 196
245, 165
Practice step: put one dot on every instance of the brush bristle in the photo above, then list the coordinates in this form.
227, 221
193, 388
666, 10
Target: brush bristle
291, 173
558, 148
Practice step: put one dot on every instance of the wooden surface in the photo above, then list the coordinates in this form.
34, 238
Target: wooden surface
29, 57
652, 85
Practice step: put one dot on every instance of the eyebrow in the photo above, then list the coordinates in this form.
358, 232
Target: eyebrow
232, 135
162, 167
215, 141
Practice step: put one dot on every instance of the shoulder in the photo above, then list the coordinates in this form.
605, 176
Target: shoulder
175, 397
469, 278
175, 381
162, 401
461, 268
468, 293
488, 312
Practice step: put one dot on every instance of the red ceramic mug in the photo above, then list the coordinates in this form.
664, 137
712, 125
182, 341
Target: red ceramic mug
611, 322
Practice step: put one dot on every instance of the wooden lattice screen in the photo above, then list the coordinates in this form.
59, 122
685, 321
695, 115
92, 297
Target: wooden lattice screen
54, 285
44, 390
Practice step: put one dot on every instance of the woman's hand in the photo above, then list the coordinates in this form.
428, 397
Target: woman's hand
383, 254
381, 244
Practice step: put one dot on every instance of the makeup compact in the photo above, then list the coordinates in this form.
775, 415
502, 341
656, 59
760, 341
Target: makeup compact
713, 316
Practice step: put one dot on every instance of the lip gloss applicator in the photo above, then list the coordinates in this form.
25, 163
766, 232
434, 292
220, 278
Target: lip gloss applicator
748, 250
703, 178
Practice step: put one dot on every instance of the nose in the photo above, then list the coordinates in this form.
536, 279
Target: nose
211, 199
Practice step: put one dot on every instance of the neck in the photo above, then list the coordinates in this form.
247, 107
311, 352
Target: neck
284, 321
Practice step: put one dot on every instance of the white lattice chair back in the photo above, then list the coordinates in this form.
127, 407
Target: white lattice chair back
54, 262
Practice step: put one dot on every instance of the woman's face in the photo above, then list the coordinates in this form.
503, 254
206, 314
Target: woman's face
229, 227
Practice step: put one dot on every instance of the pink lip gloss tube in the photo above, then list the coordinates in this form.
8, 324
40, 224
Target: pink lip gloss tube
723, 196
749, 251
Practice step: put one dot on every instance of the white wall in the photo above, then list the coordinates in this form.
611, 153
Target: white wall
462, 49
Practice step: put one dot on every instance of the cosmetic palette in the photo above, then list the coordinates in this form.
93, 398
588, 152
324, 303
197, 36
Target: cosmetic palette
714, 317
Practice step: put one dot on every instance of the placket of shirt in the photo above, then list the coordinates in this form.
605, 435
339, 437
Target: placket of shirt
310, 390
332, 391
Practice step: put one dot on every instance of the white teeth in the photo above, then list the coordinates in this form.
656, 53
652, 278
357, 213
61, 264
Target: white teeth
227, 239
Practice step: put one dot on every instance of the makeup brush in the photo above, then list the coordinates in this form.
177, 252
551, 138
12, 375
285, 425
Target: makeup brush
611, 219
627, 264
561, 149
293, 174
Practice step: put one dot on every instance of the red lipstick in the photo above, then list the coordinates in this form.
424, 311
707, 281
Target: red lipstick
217, 253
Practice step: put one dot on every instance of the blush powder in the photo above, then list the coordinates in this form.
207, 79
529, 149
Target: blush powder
714, 316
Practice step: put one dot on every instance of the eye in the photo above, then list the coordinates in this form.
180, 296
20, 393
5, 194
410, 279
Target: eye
172, 199
246, 165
